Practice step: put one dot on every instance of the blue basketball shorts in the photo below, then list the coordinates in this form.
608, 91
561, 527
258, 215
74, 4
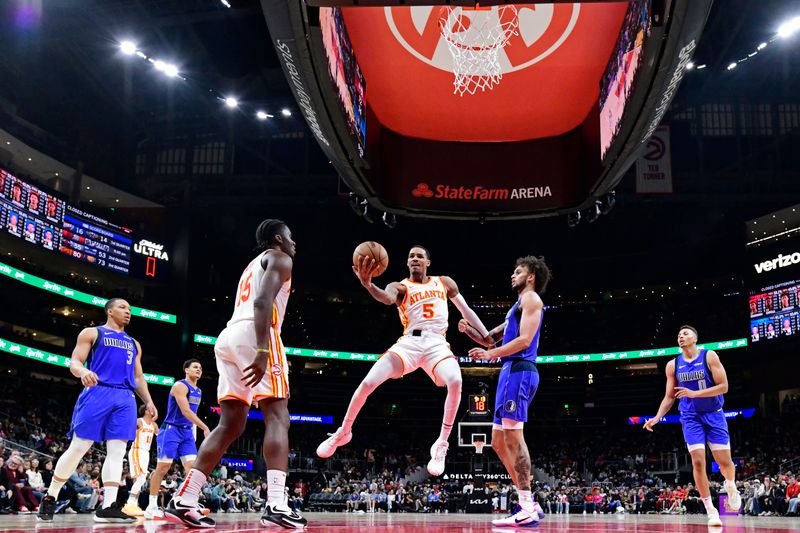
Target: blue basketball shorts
104, 413
175, 441
515, 391
699, 428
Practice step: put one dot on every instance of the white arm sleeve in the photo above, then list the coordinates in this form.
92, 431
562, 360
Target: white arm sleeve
469, 315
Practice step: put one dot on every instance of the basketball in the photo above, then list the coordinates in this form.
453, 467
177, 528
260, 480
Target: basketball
372, 250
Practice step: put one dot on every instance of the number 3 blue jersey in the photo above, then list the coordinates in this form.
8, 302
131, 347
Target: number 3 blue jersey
112, 358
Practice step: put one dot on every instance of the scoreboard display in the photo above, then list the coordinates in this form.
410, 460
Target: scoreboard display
479, 405
42, 219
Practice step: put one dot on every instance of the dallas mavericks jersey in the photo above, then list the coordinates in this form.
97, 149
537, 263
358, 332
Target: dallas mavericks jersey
111, 358
512, 332
174, 415
696, 376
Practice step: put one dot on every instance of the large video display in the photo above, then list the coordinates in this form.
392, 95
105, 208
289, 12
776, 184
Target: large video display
345, 73
619, 78
774, 295
41, 218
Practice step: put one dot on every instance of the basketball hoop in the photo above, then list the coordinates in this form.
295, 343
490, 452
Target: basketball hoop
474, 37
479, 444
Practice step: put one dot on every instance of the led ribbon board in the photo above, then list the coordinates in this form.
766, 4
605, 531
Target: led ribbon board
255, 414
578, 358
676, 419
59, 360
41, 283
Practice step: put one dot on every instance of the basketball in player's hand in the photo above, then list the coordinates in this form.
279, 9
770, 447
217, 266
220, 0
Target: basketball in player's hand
372, 250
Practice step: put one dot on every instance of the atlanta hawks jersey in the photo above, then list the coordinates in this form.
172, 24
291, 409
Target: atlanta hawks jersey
424, 306
144, 436
249, 285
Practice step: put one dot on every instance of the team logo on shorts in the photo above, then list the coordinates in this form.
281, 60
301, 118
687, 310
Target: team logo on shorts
277, 370
511, 406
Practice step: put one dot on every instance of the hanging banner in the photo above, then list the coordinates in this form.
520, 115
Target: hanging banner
654, 166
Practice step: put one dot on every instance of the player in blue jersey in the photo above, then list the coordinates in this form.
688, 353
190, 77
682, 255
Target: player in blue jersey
176, 435
518, 380
697, 378
109, 364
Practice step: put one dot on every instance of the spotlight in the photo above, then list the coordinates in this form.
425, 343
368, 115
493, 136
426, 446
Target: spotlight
593, 213
367, 213
262, 115
761, 46
689, 65
608, 202
231, 102
573, 219
168, 69
355, 204
732, 66
127, 47
390, 220
789, 28
286, 112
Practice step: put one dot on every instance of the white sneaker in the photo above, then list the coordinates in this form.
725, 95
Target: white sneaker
153, 513
734, 498
336, 439
438, 453
521, 519
713, 519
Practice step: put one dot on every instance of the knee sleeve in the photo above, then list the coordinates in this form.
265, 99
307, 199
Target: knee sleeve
70, 459
112, 466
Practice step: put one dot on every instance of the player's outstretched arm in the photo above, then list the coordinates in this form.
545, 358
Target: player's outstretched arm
461, 304
668, 400
492, 338
717, 374
80, 354
531, 306
141, 383
277, 270
394, 292
181, 393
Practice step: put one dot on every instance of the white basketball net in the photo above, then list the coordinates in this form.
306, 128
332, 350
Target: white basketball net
475, 38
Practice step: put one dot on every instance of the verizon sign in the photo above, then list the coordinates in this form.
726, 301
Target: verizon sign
781, 261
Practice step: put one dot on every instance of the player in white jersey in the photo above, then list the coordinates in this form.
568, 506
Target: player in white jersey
422, 303
139, 459
252, 368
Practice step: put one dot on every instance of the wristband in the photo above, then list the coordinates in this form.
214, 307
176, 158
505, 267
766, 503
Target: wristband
262, 350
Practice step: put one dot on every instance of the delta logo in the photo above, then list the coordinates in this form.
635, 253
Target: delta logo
479, 193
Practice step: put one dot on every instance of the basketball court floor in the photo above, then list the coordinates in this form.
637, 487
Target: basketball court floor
407, 523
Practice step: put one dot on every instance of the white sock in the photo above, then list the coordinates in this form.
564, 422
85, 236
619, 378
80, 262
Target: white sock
55, 488
191, 487
153, 502
133, 499
710, 509
109, 495
730, 485
276, 482
526, 501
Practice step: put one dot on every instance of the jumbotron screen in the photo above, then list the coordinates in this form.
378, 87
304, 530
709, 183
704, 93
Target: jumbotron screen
345, 73
774, 295
619, 78
42, 219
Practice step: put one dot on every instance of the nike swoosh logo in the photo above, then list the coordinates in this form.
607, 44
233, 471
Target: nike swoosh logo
520, 520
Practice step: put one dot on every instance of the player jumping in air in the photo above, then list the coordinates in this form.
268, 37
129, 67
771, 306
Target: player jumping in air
422, 303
